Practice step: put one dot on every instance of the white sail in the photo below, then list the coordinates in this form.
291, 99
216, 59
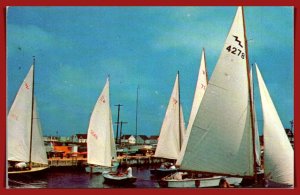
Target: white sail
278, 152
221, 138
99, 131
38, 154
257, 143
199, 92
19, 122
170, 138
112, 139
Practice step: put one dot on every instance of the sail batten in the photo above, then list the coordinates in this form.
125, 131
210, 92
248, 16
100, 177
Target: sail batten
100, 143
221, 140
278, 152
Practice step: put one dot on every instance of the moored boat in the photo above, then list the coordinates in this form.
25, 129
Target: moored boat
100, 141
113, 178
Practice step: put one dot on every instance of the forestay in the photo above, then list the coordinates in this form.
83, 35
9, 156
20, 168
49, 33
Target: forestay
198, 95
19, 122
221, 138
278, 152
171, 134
99, 138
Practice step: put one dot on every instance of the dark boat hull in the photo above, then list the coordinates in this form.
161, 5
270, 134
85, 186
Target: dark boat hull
116, 180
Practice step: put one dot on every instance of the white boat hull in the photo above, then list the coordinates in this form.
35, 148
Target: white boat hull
101, 169
197, 182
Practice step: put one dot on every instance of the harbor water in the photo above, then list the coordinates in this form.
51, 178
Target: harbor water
68, 178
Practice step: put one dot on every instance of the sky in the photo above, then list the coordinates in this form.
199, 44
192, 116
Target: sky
76, 48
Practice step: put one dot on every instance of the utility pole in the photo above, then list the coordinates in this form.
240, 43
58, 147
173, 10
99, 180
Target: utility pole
292, 125
118, 121
121, 128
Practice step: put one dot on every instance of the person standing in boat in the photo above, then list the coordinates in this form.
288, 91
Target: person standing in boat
128, 171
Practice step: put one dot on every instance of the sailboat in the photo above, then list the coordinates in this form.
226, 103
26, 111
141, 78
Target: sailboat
278, 152
24, 134
172, 132
221, 139
100, 141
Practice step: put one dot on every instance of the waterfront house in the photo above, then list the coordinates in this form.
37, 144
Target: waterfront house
80, 138
128, 139
141, 139
153, 139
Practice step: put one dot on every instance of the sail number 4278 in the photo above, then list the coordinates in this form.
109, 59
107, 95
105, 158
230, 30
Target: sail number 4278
235, 51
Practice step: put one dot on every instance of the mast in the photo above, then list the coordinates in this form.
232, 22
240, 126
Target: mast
118, 121
136, 111
32, 107
205, 65
179, 112
250, 97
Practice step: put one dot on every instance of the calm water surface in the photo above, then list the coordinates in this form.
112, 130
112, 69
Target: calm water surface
72, 178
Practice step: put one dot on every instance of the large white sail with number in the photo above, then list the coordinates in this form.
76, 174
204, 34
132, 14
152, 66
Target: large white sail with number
19, 122
100, 134
172, 130
278, 152
198, 95
221, 137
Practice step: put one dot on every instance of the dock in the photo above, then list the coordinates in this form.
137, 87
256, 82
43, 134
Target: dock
74, 161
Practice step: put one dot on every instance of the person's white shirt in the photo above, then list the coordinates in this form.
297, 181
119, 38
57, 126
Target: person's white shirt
172, 166
21, 165
129, 172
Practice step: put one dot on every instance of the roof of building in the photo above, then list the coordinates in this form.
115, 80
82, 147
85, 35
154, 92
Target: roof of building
153, 137
81, 136
144, 137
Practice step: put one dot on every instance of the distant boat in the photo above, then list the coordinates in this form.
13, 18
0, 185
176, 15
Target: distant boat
100, 140
25, 142
278, 152
172, 132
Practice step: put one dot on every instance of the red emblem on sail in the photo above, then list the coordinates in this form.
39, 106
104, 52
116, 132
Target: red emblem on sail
26, 86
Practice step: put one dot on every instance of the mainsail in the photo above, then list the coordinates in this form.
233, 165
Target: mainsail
172, 130
198, 95
278, 152
221, 138
99, 138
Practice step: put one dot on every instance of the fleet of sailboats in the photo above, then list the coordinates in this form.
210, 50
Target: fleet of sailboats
221, 138
25, 142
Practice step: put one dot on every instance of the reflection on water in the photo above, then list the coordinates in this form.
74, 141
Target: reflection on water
74, 178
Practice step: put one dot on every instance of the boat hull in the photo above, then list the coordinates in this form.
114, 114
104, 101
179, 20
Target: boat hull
209, 182
118, 180
33, 172
162, 172
101, 169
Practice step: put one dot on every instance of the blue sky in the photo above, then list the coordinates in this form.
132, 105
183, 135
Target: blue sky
77, 47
